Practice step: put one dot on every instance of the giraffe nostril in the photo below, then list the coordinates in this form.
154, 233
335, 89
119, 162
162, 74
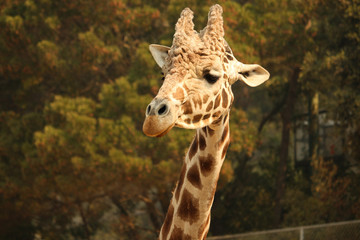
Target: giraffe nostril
148, 109
163, 110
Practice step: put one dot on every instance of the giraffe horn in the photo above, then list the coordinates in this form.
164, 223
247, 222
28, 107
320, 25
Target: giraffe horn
185, 24
215, 26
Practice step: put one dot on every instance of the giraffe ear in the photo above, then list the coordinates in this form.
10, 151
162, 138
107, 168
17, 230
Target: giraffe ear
159, 53
253, 74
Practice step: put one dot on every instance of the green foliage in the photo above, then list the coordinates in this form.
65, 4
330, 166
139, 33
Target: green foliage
311, 36
75, 79
94, 151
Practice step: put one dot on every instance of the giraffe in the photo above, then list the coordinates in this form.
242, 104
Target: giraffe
199, 69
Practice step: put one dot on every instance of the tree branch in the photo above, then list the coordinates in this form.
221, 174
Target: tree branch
272, 113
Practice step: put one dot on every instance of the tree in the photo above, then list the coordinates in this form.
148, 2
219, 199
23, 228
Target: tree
49, 48
75, 79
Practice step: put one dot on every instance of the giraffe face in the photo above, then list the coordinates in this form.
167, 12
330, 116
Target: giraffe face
199, 69
195, 92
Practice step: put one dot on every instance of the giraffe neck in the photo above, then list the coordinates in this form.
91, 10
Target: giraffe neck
188, 216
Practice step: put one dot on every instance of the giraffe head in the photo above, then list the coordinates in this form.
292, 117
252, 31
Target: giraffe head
199, 69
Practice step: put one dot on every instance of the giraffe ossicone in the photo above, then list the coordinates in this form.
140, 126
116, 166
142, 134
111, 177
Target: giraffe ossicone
199, 69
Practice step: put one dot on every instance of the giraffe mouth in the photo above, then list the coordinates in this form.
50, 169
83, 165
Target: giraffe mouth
166, 131
155, 127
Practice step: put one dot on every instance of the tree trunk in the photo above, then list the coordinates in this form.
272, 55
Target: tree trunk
286, 118
154, 216
313, 126
130, 230
85, 223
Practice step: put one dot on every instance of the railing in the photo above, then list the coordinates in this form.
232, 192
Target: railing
349, 230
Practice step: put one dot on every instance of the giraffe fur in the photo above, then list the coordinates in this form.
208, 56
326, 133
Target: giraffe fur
199, 69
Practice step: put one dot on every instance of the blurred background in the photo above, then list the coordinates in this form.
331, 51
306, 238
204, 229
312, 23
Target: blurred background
76, 77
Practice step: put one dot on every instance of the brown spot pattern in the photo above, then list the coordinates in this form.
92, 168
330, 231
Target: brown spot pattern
209, 106
168, 221
194, 177
205, 130
188, 208
210, 131
197, 118
225, 118
180, 183
205, 98
217, 101
202, 142
225, 99
197, 101
216, 114
179, 94
187, 108
216, 121
178, 234
194, 148
188, 120
224, 134
206, 164
207, 116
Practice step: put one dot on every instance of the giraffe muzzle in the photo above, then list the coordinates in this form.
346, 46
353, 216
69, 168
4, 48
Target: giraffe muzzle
159, 118
157, 108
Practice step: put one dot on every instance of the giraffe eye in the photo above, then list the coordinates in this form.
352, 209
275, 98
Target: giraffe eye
210, 78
